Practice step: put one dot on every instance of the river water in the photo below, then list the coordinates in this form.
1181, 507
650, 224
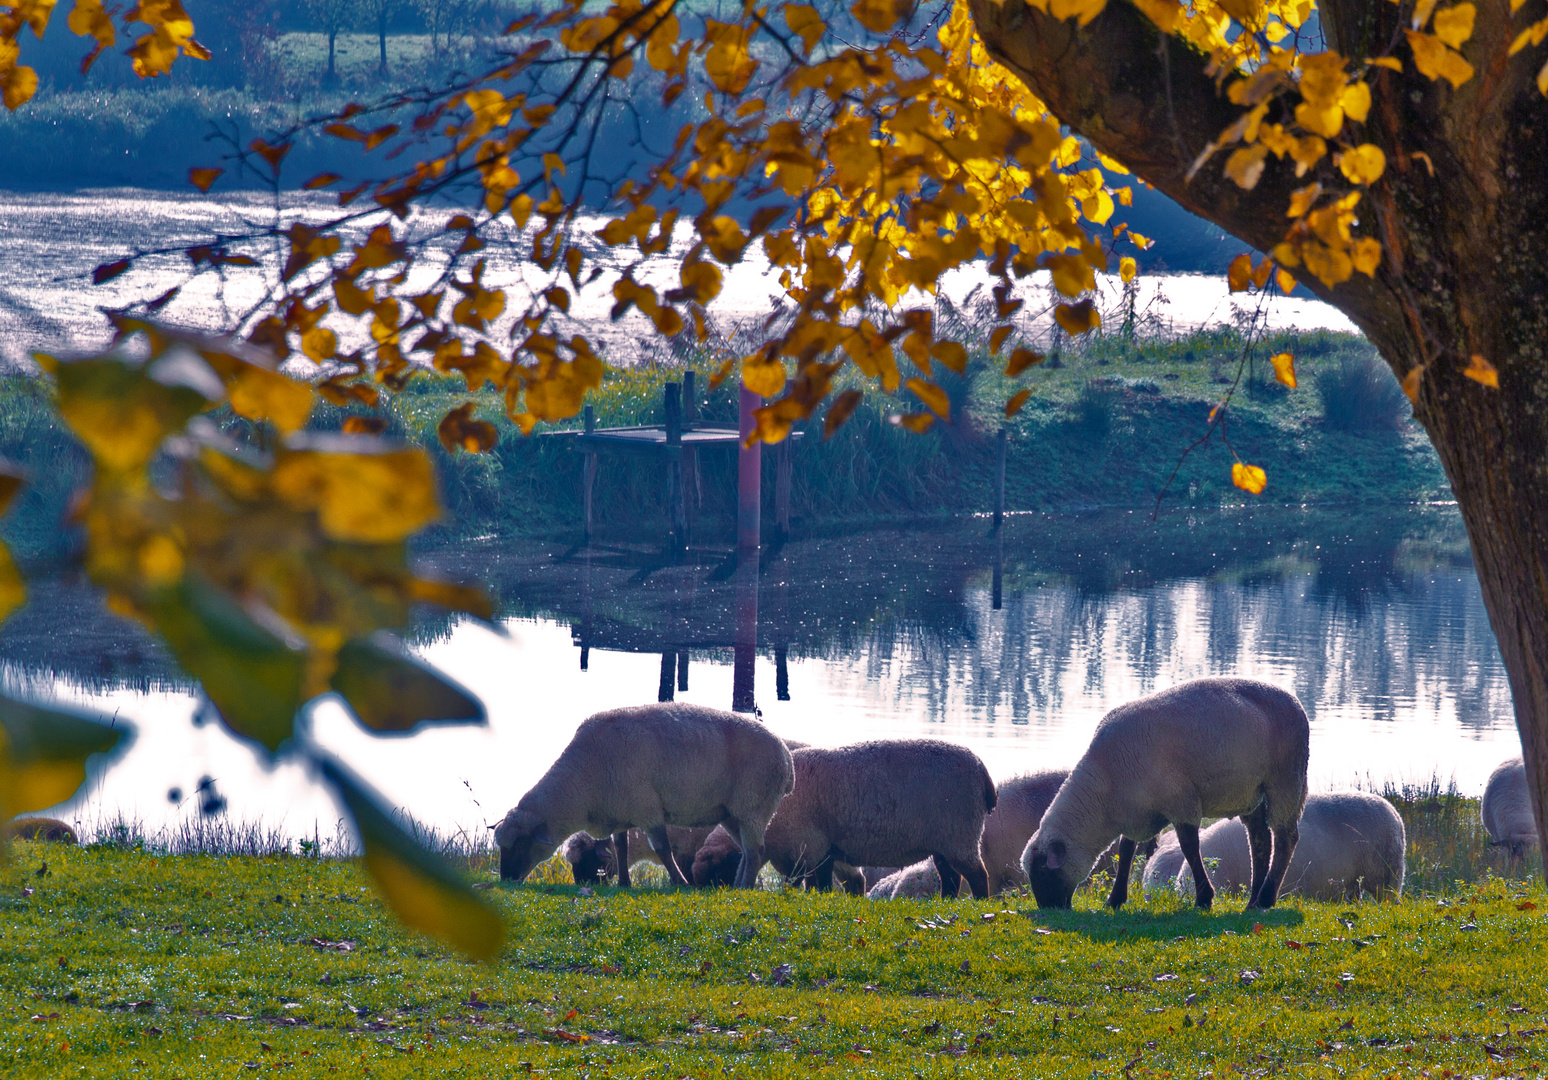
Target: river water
1373, 618
1013, 643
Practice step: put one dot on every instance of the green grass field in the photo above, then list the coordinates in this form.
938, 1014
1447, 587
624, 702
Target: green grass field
121, 962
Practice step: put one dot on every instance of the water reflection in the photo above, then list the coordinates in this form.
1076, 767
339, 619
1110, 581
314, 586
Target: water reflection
1013, 642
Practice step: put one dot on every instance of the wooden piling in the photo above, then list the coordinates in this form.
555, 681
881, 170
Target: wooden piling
677, 492
691, 481
668, 676
682, 669
749, 476
588, 477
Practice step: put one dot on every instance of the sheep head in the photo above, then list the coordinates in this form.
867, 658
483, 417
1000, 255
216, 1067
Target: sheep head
524, 842
1051, 871
590, 858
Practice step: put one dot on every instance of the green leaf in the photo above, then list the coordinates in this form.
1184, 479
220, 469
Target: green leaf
43, 753
424, 891
251, 674
390, 689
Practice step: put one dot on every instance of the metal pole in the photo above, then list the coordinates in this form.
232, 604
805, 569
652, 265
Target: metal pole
749, 476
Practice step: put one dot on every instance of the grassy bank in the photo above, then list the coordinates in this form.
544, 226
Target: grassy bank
1104, 428
122, 963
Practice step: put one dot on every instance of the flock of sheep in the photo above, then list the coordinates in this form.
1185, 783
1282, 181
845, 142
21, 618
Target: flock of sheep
712, 796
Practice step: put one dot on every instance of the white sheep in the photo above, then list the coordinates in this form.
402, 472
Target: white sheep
1022, 800
918, 882
648, 767
1217, 747
1507, 809
1349, 839
884, 803
1162, 865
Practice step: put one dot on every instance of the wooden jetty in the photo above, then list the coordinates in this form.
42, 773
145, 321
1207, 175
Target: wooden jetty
678, 442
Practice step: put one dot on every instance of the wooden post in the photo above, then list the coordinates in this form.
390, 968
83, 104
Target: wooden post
745, 654
782, 467
682, 669
668, 671
588, 477
749, 477
781, 673
999, 479
677, 495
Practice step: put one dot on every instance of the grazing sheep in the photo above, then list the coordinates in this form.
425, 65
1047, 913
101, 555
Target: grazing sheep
648, 767
890, 802
1211, 746
917, 882
1348, 839
593, 859
1022, 801
40, 828
1162, 865
1507, 809
717, 861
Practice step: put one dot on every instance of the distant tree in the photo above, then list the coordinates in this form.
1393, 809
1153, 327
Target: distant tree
331, 17
380, 13
441, 18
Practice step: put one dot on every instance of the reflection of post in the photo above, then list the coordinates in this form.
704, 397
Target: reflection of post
999, 479
668, 673
781, 674
749, 477
682, 669
586, 598
677, 492
691, 484
782, 487
588, 477
999, 567
742, 699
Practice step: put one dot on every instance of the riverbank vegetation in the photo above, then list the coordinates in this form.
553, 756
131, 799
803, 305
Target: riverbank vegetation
117, 961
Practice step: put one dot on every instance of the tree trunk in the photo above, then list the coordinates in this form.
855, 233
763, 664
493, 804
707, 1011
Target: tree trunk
332, 37
381, 37
1462, 213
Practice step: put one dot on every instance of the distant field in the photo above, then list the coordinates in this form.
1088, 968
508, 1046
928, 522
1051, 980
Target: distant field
120, 963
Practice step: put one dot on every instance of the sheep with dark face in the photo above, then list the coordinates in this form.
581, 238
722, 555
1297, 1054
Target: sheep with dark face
1349, 841
1507, 809
717, 861
649, 767
886, 803
1021, 803
592, 859
1218, 747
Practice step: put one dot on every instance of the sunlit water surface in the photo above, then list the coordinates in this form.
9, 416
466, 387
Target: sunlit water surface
1374, 621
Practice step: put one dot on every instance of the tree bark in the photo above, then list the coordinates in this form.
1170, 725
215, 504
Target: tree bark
1462, 213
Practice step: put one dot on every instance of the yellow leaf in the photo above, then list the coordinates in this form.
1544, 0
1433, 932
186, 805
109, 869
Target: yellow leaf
1127, 269
1356, 100
1367, 255
1435, 61
363, 489
1247, 12
121, 412
1078, 318
1364, 164
764, 377
1454, 25
1022, 359
43, 754
17, 85
203, 178
1083, 11
1481, 371
1284, 369
1249, 478
1239, 273
1411, 383
320, 343
419, 887
1245, 165
1391, 63
1324, 120
951, 354
918, 423
458, 430
13, 589
932, 395
1164, 13
1071, 274
1301, 199
267, 395
1542, 80
878, 16
841, 409
1285, 280
389, 689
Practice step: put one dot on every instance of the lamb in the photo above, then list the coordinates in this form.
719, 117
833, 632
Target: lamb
50, 830
917, 882
1348, 839
884, 803
1216, 746
716, 863
592, 859
1507, 809
1022, 803
648, 767
1162, 865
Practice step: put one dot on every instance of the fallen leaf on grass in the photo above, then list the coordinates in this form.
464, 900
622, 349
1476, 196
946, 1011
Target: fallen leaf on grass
1293, 944
1526, 905
1164, 977
338, 946
566, 1036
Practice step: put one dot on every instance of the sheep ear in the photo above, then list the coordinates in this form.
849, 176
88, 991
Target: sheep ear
1056, 854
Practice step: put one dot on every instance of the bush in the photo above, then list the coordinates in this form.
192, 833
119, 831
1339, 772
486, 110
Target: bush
1094, 408
1361, 394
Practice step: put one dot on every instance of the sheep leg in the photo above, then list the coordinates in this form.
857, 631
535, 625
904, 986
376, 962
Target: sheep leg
621, 854
1284, 846
663, 849
821, 877
1259, 841
977, 877
951, 881
752, 853
1203, 888
1120, 893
